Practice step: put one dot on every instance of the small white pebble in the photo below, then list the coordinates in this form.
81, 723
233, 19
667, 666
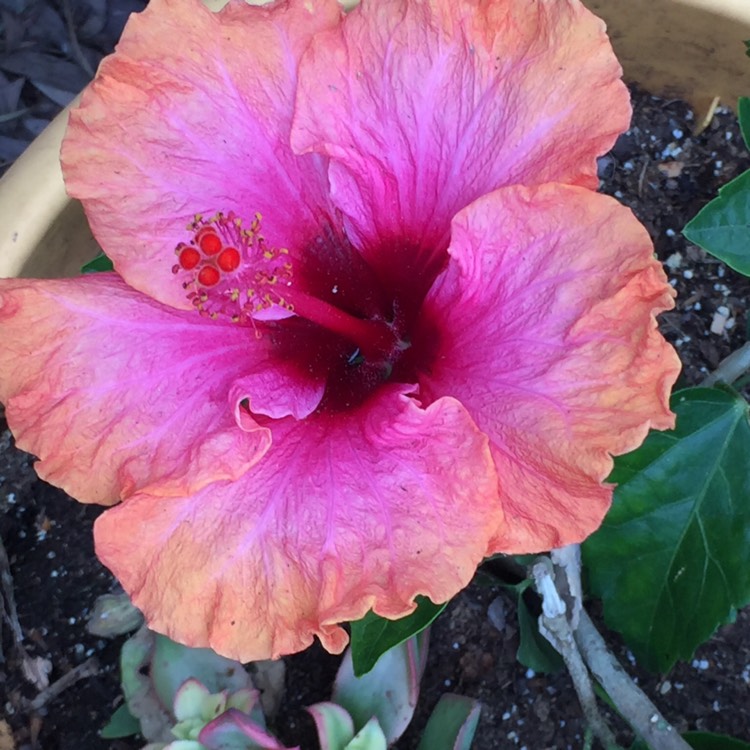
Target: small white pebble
679, 685
673, 282
689, 116
720, 271
671, 150
654, 718
22, 534
718, 164
562, 723
699, 664
51, 555
630, 657
697, 307
723, 310
506, 716
653, 138
688, 274
674, 261
678, 342
746, 674
677, 133
716, 706
665, 687
670, 232
54, 574
447, 683
530, 673
718, 323
71, 621
628, 166
728, 135
513, 736
335, 289
11, 498
729, 324
618, 194
90, 652
455, 646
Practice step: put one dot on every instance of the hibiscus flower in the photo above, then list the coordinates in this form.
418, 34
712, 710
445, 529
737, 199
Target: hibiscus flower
369, 322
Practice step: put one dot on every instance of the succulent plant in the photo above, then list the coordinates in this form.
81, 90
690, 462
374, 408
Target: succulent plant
215, 706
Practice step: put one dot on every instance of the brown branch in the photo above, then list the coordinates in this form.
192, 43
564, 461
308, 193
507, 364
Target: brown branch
730, 368
631, 702
88, 668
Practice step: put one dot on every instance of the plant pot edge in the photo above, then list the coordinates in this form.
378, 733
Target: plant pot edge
43, 233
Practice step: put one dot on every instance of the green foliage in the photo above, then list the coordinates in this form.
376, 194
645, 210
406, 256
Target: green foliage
671, 561
711, 741
534, 650
743, 112
99, 264
389, 691
703, 741
121, 724
452, 724
722, 227
372, 636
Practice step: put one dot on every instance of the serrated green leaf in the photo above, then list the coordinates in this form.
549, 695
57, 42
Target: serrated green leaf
372, 636
535, 651
121, 724
99, 264
722, 227
671, 561
743, 113
452, 724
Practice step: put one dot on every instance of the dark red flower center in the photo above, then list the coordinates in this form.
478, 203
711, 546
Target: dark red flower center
322, 307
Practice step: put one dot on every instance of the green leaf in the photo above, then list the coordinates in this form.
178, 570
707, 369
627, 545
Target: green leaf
743, 112
452, 724
389, 691
703, 741
372, 636
722, 227
334, 724
121, 724
747, 47
99, 264
534, 650
370, 737
671, 561
711, 741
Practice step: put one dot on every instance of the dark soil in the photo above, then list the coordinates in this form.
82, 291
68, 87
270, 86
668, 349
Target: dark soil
658, 168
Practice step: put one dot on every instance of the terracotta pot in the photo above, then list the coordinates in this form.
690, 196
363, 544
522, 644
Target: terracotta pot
690, 49
683, 49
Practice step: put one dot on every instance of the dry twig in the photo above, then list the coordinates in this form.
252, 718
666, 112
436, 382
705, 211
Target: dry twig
89, 668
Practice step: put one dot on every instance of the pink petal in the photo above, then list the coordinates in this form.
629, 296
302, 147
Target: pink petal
547, 336
116, 393
425, 106
347, 512
192, 115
